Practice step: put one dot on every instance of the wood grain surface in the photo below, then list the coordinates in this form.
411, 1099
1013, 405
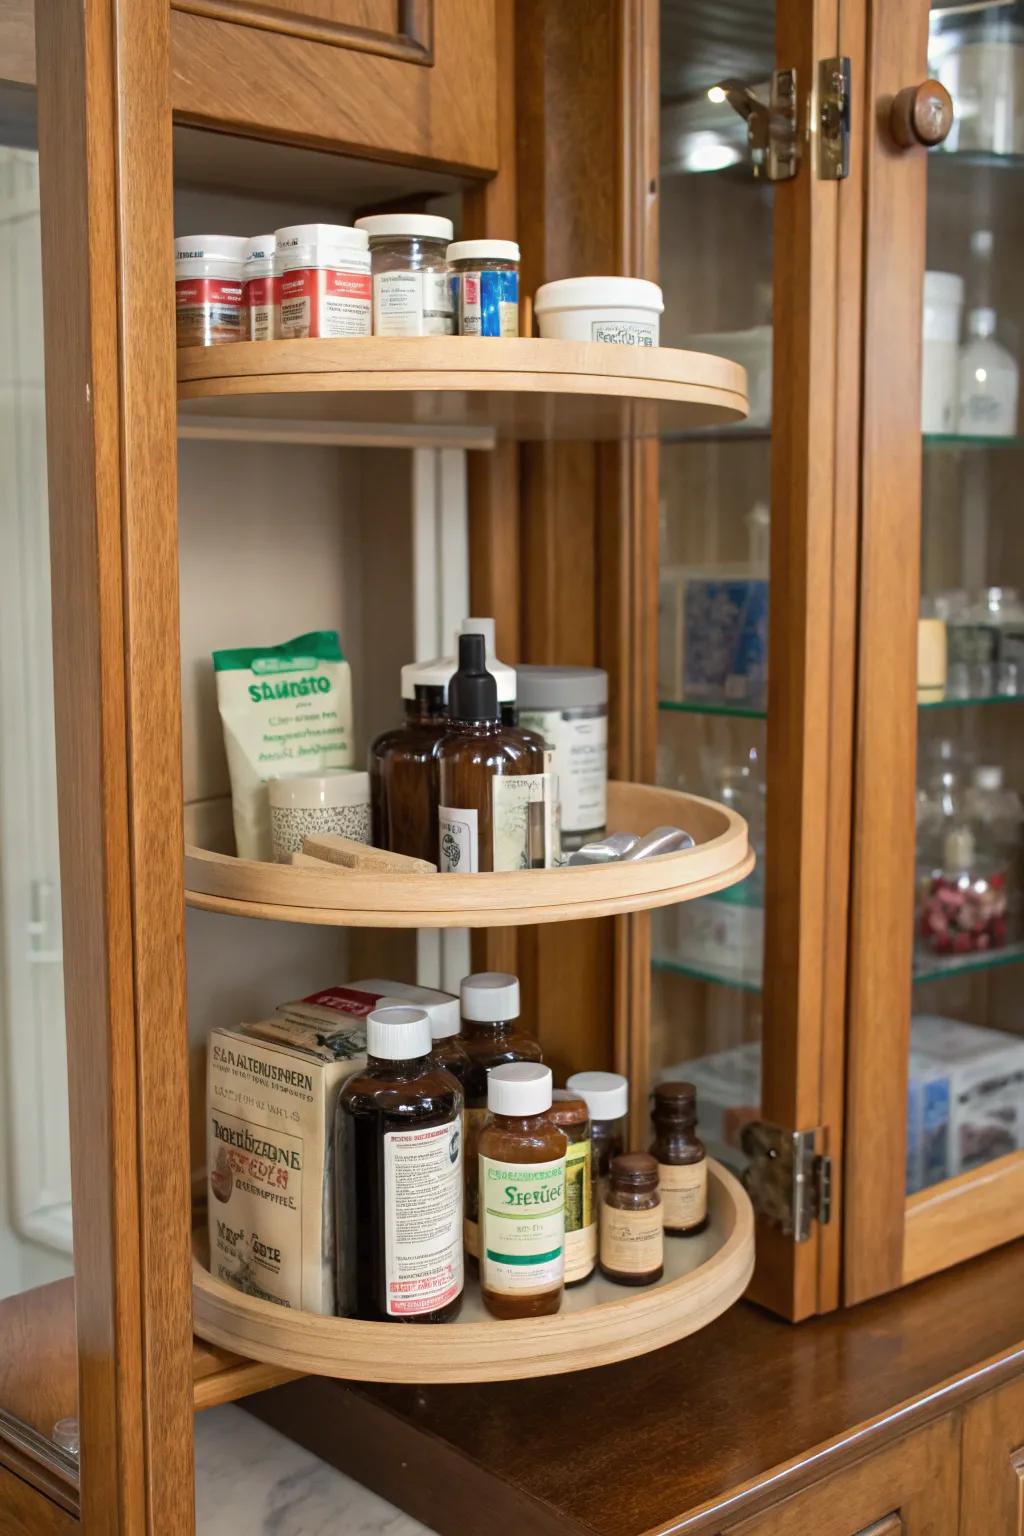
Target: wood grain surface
992, 1464
26, 1512
964, 1216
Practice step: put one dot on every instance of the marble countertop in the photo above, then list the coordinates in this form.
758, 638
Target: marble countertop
251, 1478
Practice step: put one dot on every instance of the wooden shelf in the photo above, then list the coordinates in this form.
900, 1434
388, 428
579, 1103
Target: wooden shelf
599, 1322
523, 388
218, 882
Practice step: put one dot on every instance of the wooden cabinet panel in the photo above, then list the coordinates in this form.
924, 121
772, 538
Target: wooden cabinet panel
992, 1464
409, 81
24, 1512
908, 1489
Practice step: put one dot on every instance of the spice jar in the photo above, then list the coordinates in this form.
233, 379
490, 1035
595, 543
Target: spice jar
324, 280
681, 1158
261, 304
632, 1244
606, 1095
485, 287
209, 289
568, 707
569, 1112
412, 294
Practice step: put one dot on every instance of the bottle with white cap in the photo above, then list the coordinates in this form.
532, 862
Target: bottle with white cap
403, 767
521, 1176
398, 1178
491, 1037
606, 1095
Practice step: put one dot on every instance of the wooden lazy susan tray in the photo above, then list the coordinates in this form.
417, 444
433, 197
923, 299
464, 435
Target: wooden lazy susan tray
218, 882
522, 387
599, 1323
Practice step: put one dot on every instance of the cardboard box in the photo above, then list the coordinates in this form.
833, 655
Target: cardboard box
985, 1072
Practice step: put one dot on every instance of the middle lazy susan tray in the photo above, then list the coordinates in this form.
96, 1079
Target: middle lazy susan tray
218, 882
521, 387
600, 1322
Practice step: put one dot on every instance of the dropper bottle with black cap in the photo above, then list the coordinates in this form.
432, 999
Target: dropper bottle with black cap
496, 800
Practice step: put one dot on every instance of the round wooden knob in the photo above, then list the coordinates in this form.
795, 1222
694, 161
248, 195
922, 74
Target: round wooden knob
921, 114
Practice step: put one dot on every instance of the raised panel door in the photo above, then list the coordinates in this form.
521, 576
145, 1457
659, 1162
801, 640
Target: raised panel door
992, 1464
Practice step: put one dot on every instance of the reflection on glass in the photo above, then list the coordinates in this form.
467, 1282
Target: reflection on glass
715, 524
966, 1085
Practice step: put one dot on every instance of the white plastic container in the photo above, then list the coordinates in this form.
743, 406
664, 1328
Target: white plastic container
940, 333
324, 280
987, 381
623, 310
209, 289
315, 805
262, 307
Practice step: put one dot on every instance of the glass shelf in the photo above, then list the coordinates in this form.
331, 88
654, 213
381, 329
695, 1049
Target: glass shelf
934, 442
712, 707
721, 978
955, 441
930, 698
974, 158
740, 434
937, 967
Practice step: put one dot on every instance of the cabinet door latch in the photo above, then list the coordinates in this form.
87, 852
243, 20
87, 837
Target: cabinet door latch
787, 1178
771, 124
834, 119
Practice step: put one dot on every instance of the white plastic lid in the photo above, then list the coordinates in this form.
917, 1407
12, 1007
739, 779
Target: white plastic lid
440, 1007
483, 250
981, 323
260, 248
988, 776
436, 673
312, 790
397, 1034
562, 687
519, 1088
943, 288
606, 1094
427, 226
294, 235
210, 248
598, 292
490, 996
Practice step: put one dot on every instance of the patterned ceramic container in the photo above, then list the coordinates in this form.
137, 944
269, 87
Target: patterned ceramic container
314, 803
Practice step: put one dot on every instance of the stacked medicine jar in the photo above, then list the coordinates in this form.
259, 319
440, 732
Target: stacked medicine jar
412, 294
324, 283
209, 289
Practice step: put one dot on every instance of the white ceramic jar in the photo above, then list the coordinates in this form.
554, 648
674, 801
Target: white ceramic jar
316, 805
623, 310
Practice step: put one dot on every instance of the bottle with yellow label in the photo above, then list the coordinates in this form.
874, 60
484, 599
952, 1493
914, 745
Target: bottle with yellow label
569, 1112
681, 1158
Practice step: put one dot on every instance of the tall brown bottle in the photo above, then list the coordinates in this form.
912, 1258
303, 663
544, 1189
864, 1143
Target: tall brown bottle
496, 809
403, 765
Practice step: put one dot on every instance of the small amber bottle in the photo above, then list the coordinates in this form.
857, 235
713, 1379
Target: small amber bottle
398, 1178
490, 1038
681, 1157
522, 1195
496, 809
632, 1244
569, 1112
403, 766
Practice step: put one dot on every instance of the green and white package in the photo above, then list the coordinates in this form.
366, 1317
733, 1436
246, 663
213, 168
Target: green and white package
286, 709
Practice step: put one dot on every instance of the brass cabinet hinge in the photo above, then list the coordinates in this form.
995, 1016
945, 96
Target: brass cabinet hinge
789, 1181
834, 119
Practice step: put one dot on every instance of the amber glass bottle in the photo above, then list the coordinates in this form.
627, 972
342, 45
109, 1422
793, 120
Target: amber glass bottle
446, 1048
490, 1038
606, 1095
403, 766
632, 1245
496, 809
569, 1112
398, 1178
681, 1158
522, 1195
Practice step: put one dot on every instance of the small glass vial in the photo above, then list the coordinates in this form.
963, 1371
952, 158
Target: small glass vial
209, 289
412, 293
490, 1038
403, 765
606, 1095
485, 287
632, 1241
681, 1158
262, 309
522, 1195
569, 1112
398, 1183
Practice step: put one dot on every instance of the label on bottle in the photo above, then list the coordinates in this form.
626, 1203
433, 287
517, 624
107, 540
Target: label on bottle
523, 821
522, 1225
578, 742
422, 1218
260, 299
580, 1225
488, 303
459, 842
625, 333
412, 304
208, 310
325, 301
684, 1193
473, 1120
632, 1242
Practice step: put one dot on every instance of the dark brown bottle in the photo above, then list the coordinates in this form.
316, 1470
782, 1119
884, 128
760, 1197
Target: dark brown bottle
398, 1179
632, 1244
495, 804
522, 1195
490, 1038
681, 1158
403, 766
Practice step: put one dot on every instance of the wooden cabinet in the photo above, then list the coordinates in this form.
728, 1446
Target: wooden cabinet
992, 1464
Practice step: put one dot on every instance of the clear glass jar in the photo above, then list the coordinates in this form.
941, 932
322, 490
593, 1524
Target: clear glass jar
411, 292
485, 287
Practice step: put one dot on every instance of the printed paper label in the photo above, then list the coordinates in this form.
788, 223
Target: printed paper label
473, 1123
324, 301
580, 1225
209, 309
523, 821
625, 333
457, 833
261, 1167
423, 1218
631, 1241
522, 1225
684, 1193
412, 304
488, 303
261, 296
579, 754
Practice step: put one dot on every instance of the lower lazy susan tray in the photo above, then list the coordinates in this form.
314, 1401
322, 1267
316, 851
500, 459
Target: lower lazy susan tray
599, 1323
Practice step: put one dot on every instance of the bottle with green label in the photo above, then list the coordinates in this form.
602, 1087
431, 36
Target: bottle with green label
521, 1177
